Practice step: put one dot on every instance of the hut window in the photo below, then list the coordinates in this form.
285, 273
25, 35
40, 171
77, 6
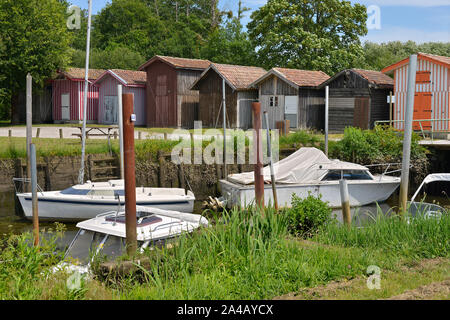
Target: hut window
273, 102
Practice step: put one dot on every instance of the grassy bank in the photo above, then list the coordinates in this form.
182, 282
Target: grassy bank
244, 256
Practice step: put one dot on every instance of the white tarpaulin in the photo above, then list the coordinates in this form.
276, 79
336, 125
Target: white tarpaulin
306, 165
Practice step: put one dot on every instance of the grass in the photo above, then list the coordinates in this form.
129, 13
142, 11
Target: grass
245, 255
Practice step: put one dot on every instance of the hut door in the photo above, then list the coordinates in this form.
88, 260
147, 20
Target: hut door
110, 107
65, 106
162, 101
291, 109
422, 110
361, 113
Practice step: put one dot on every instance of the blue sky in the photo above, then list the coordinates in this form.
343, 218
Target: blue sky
417, 20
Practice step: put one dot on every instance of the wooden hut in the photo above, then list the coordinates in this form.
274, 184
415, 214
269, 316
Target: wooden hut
292, 94
169, 100
432, 92
238, 95
358, 98
68, 96
133, 82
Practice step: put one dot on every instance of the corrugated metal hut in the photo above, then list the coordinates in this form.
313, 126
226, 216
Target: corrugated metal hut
169, 100
133, 82
432, 96
68, 95
358, 98
238, 95
292, 94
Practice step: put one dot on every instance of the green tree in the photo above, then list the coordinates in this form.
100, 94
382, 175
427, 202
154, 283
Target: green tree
378, 56
229, 43
117, 57
308, 34
33, 38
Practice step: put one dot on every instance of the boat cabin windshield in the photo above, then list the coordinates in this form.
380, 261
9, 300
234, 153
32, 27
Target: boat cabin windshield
93, 192
88, 244
334, 175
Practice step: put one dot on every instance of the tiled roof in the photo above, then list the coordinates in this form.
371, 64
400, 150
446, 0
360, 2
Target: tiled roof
78, 73
443, 60
240, 77
302, 78
375, 77
130, 76
179, 63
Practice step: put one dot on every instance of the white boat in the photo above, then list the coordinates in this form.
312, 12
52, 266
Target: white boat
309, 171
85, 201
105, 234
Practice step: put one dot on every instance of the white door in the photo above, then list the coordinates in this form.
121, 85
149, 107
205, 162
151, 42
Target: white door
291, 110
65, 106
110, 107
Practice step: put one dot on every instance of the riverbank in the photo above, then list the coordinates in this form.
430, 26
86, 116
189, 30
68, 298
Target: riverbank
252, 258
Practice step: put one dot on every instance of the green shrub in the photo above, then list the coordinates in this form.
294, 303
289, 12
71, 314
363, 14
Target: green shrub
306, 216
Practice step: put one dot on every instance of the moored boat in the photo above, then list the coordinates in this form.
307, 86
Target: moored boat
85, 201
309, 171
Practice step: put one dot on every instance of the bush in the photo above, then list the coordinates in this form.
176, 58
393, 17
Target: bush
306, 216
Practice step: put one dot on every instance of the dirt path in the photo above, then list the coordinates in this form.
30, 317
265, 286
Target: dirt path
426, 279
435, 290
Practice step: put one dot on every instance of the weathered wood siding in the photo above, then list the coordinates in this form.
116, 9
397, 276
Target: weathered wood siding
108, 87
210, 112
340, 113
379, 107
187, 100
245, 100
311, 114
161, 95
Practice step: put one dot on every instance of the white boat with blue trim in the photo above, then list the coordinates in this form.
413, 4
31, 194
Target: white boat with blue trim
86, 201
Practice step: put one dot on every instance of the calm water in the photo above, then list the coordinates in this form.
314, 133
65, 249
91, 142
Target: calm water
10, 223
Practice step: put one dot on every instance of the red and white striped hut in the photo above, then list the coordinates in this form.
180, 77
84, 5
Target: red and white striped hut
133, 82
68, 96
431, 101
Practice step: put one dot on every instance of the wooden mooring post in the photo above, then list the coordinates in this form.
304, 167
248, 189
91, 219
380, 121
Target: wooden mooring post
257, 145
345, 202
130, 174
34, 198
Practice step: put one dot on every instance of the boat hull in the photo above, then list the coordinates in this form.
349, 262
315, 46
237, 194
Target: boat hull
57, 209
361, 192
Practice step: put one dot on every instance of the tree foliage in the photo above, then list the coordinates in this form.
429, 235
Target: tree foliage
33, 39
314, 34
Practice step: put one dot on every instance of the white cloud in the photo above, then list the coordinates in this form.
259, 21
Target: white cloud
394, 33
406, 3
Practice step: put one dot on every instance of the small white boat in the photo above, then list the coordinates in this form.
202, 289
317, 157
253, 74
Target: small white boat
309, 171
85, 201
105, 234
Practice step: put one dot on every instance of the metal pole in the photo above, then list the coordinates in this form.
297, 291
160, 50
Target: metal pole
29, 119
34, 199
345, 202
390, 108
130, 177
85, 96
224, 111
326, 119
257, 145
269, 153
120, 120
408, 131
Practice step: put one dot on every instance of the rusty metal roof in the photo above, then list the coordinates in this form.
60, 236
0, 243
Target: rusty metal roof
179, 63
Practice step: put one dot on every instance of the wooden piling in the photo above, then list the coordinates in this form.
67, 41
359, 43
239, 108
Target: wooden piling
34, 198
61, 136
38, 132
345, 202
130, 174
257, 145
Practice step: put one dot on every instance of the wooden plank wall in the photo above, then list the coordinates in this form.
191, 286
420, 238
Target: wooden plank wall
311, 113
245, 99
158, 114
379, 108
187, 100
210, 112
